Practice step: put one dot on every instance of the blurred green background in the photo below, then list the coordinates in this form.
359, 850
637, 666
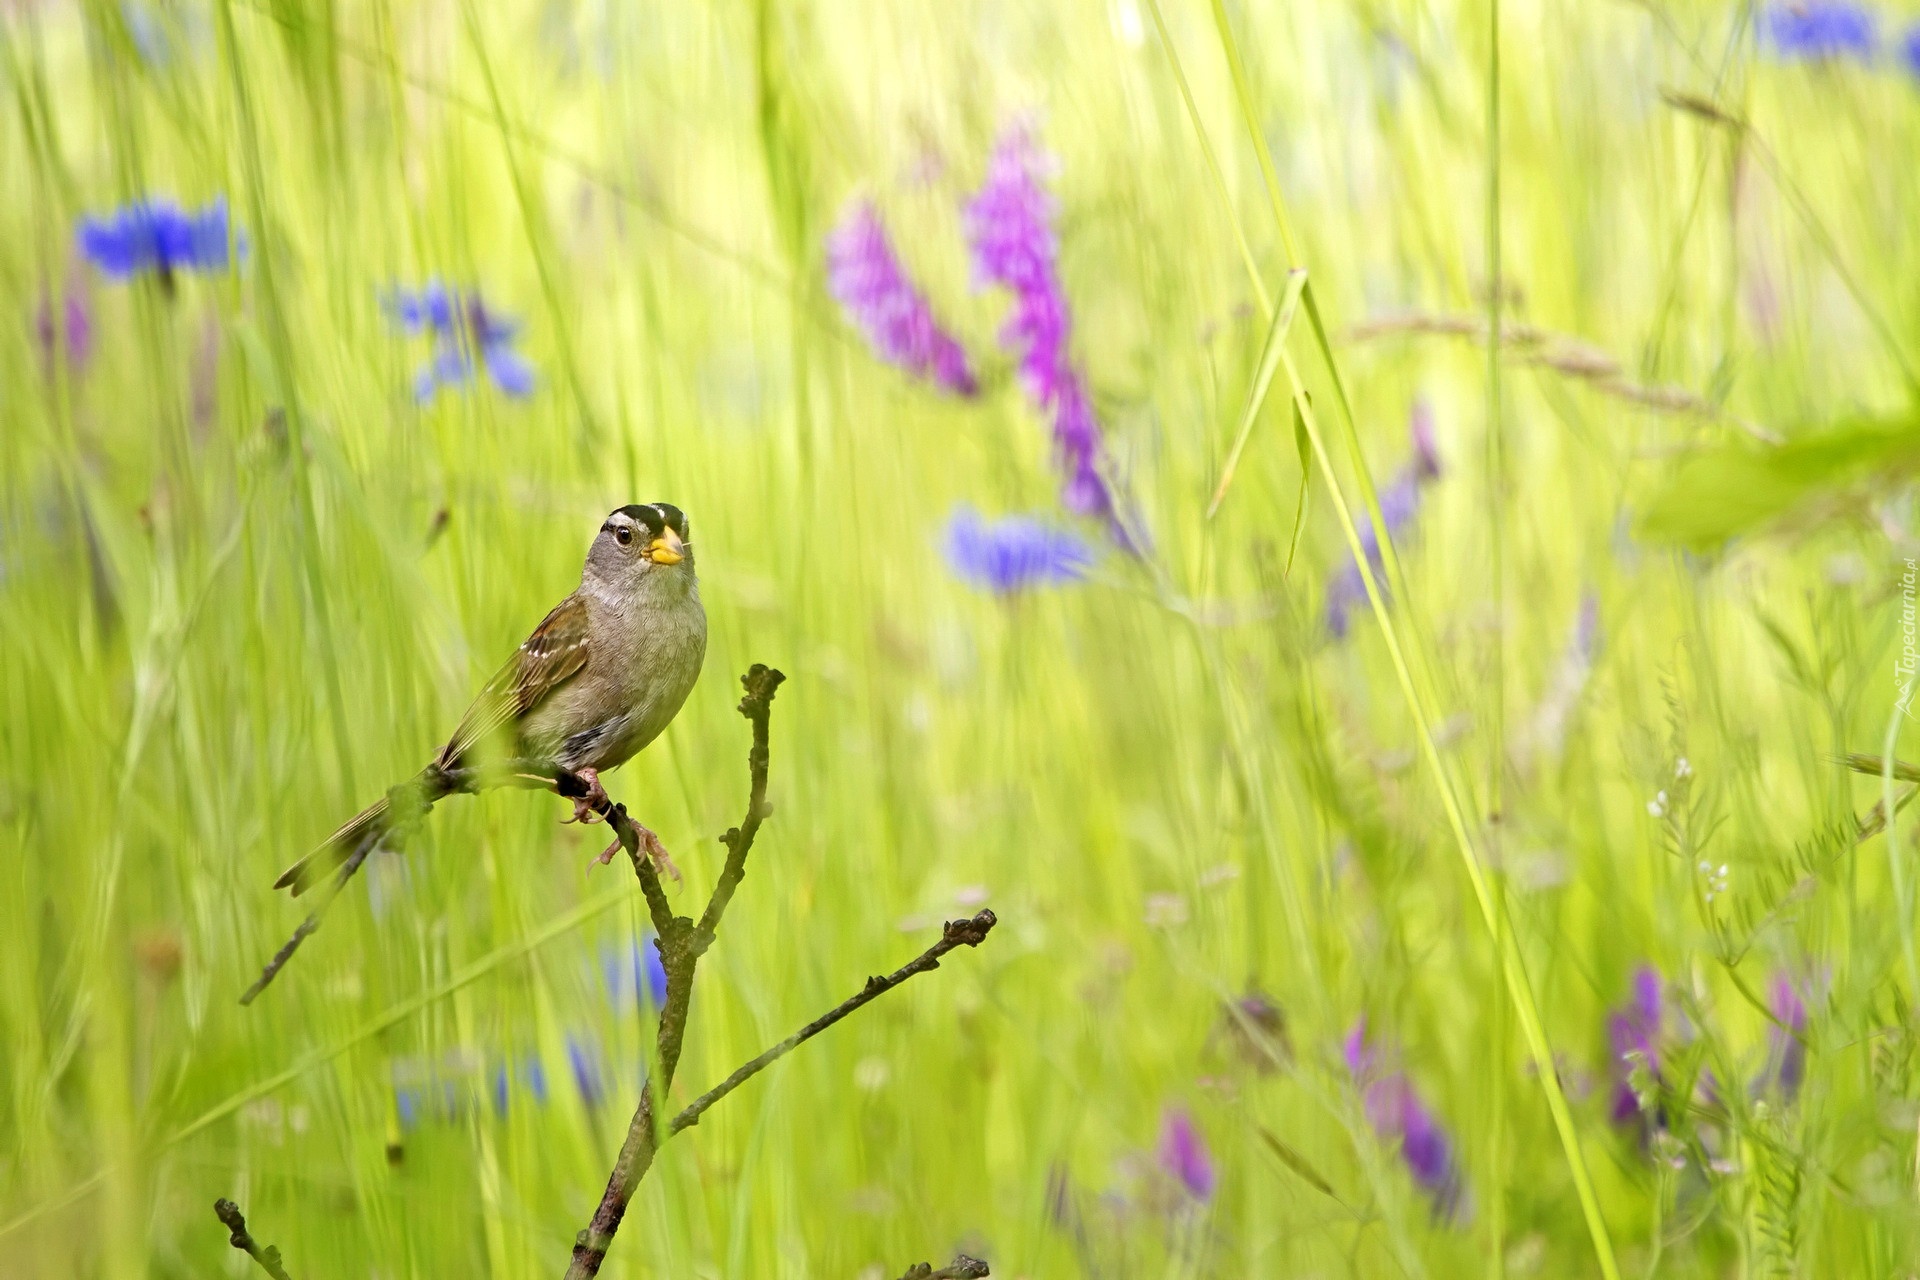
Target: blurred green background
248, 580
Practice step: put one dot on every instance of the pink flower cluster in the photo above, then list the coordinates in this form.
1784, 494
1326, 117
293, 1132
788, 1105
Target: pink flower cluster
1010, 224
865, 276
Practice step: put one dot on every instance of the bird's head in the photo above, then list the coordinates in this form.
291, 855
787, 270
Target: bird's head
642, 544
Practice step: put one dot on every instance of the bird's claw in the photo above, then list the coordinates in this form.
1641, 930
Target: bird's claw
662, 860
656, 852
586, 808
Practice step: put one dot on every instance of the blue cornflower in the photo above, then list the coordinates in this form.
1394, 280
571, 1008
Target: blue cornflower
531, 1073
1820, 29
158, 236
1908, 50
461, 327
1013, 553
406, 1101
634, 973
588, 1074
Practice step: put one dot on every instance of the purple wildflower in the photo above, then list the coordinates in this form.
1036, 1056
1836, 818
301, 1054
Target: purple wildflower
158, 236
1010, 224
1633, 1035
865, 276
461, 326
1395, 1111
1362, 1058
1908, 50
1399, 504
73, 336
1820, 29
1786, 1055
1013, 553
1183, 1154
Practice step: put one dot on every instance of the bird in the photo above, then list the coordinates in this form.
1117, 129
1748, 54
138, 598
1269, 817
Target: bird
601, 677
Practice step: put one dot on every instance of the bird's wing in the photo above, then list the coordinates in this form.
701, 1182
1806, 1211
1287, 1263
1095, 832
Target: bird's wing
552, 655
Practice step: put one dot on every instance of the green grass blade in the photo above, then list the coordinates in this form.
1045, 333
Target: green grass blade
1262, 379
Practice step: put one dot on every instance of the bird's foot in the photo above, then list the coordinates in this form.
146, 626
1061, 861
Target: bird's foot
586, 807
662, 860
656, 851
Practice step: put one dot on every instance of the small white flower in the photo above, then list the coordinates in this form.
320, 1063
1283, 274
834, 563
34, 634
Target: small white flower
1681, 769
1717, 879
1657, 807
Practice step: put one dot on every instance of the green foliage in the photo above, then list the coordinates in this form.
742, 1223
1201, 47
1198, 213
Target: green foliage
1721, 492
247, 582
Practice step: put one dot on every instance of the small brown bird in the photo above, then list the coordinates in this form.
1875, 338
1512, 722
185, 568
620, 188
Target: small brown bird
599, 678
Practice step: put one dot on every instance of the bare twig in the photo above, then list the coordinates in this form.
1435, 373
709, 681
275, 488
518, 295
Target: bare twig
957, 933
681, 943
1566, 355
266, 1255
961, 1268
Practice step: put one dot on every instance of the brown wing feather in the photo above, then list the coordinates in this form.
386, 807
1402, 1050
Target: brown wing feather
552, 655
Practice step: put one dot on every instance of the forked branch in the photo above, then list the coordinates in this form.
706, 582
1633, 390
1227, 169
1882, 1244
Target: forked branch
682, 942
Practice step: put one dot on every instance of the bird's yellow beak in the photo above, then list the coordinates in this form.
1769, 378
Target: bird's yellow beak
666, 549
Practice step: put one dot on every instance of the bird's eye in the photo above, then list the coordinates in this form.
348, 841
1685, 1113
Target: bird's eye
623, 536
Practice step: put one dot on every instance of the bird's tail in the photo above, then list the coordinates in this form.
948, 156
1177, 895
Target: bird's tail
360, 831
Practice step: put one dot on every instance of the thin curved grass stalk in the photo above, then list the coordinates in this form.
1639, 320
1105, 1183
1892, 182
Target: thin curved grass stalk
1257, 399
1492, 911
